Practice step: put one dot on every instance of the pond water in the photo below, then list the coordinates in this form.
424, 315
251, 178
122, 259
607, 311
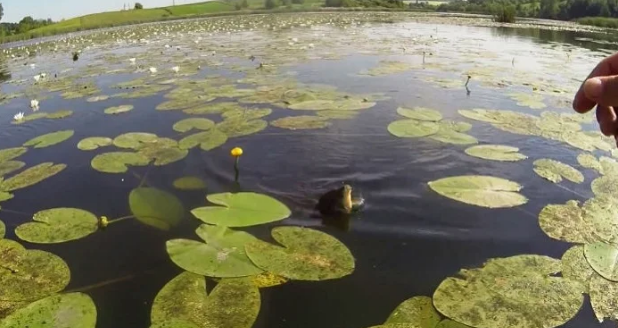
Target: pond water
405, 240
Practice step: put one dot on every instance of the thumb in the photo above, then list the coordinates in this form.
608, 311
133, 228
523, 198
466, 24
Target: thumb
602, 90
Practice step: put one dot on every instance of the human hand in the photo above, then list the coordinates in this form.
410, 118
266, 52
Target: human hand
601, 89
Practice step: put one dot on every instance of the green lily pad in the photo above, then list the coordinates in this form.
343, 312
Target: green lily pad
387, 67
193, 123
246, 114
602, 298
241, 209
117, 162
118, 109
183, 303
156, 208
508, 293
31, 117
217, 108
351, 104
56, 311
239, 128
589, 161
221, 255
58, 225
457, 126
480, 190
31, 176
412, 128
554, 171
11, 153
5, 196
189, 100
552, 121
163, 151
207, 140
609, 166
420, 114
303, 122
533, 101
134, 140
60, 114
496, 153
2, 229
10, 167
49, 139
189, 183
575, 266
605, 185
337, 114
97, 98
30, 274
602, 258
93, 143
446, 135
417, 310
448, 323
308, 255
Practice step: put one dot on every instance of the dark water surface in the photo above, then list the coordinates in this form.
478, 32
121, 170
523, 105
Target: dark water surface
405, 241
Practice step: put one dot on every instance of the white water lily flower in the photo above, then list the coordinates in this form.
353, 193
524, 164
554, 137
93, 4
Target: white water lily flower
43, 75
167, 46
176, 69
37, 78
34, 104
32, 66
19, 116
153, 70
294, 40
132, 60
311, 45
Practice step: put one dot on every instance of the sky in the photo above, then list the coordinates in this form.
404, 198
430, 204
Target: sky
15, 10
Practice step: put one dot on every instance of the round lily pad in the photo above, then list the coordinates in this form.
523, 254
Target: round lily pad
603, 258
511, 292
134, 140
183, 303
60, 114
217, 108
156, 208
496, 153
602, 298
246, 114
304, 122
93, 143
10, 167
207, 140
307, 255
56, 311
221, 255
337, 114
448, 323
480, 190
589, 161
575, 266
239, 128
11, 153
453, 137
554, 171
49, 139
163, 151
97, 98
417, 310
19, 266
2, 229
189, 124
412, 128
31, 176
420, 114
117, 162
605, 185
118, 109
58, 225
189, 183
241, 209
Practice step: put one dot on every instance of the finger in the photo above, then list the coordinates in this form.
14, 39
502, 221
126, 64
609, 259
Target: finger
606, 116
602, 90
607, 66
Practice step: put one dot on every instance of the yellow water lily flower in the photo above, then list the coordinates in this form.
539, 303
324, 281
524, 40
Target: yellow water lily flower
236, 152
103, 222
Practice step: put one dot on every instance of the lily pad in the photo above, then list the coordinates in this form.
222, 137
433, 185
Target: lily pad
480, 190
303, 122
217, 108
58, 225
246, 114
337, 114
31, 117
221, 255
60, 114
575, 266
49, 139
156, 208
57, 311
163, 151
605, 185
533, 101
446, 135
496, 153
511, 292
93, 143
387, 67
602, 298
31, 176
420, 114
189, 183
589, 161
97, 98
554, 171
448, 323
117, 162
241, 209
308, 255
417, 310
207, 140
603, 258
231, 304
239, 128
134, 140
11, 153
10, 167
2, 229
118, 109
412, 128
193, 123
20, 266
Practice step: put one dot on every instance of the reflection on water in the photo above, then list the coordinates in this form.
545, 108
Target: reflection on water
406, 239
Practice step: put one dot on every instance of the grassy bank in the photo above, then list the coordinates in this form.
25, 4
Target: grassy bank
606, 22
